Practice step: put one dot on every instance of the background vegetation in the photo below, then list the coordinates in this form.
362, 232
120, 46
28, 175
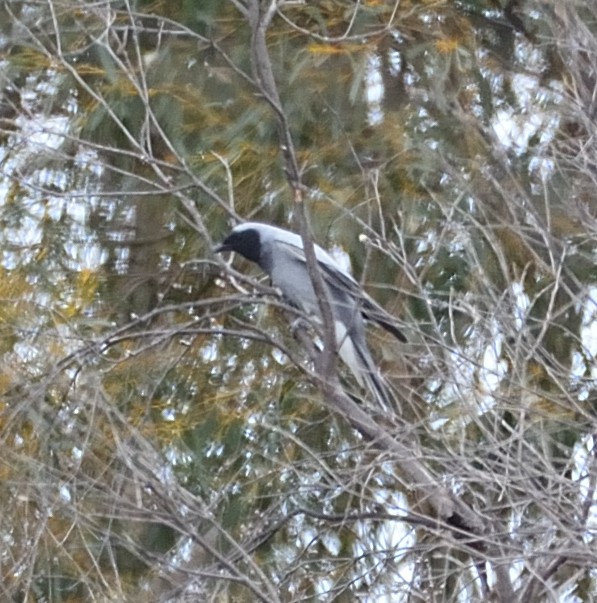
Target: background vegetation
165, 436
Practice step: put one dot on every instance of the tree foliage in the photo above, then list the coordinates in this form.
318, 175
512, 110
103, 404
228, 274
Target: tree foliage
165, 432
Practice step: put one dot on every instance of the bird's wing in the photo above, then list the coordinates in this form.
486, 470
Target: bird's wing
370, 309
374, 312
338, 279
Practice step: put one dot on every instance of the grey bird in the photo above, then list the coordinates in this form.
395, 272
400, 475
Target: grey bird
279, 253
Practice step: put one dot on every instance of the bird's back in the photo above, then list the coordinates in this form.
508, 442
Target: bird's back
289, 273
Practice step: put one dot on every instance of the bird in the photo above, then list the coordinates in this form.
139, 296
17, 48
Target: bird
280, 254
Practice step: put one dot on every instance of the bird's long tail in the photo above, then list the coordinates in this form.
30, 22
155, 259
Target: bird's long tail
357, 357
373, 381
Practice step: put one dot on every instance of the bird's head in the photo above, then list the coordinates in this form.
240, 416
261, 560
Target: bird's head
244, 239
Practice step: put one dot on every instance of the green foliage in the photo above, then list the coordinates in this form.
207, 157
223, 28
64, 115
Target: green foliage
163, 428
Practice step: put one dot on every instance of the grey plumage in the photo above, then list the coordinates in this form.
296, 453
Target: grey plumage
280, 254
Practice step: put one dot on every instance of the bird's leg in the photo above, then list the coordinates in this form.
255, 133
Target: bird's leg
302, 331
299, 323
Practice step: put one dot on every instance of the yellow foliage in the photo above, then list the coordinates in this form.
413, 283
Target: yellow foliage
14, 291
30, 58
70, 310
41, 254
87, 69
447, 45
169, 431
330, 49
552, 409
83, 294
12, 285
87, 282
